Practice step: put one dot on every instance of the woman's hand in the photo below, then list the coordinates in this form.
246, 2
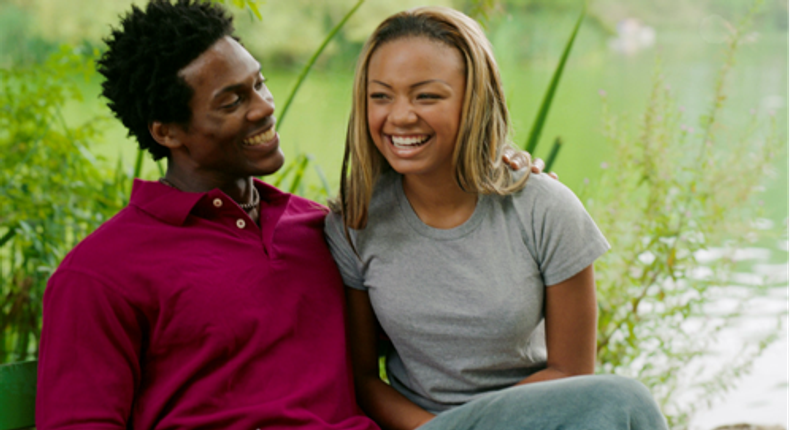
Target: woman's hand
518, 159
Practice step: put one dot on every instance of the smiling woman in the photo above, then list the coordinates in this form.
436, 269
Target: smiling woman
487, 325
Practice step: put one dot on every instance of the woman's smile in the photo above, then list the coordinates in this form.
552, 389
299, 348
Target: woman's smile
409, 141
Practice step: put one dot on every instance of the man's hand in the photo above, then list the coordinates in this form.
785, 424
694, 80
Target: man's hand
518, 159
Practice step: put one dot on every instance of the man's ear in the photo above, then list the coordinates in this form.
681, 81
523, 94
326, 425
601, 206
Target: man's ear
165, 134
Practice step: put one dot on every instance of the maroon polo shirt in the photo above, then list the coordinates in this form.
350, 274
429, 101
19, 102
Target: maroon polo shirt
181, 313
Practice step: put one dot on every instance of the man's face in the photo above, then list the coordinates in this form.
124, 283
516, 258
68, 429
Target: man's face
231, 134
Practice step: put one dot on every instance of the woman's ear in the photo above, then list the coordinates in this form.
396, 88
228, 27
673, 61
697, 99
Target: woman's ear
164, 134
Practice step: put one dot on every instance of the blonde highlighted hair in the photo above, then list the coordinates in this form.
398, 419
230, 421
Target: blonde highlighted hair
483, 132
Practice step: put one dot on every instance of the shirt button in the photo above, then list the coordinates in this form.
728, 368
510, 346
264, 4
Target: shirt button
240, 223
218, 203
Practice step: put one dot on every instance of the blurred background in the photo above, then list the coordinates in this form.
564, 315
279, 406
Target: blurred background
625, 51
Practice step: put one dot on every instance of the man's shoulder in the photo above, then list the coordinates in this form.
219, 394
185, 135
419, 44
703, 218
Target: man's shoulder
307, 205
294, 204
107, 243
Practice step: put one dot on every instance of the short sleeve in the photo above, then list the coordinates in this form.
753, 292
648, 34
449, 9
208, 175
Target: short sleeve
344, 255
89, 355
558, 230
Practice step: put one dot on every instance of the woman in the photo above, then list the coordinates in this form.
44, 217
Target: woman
482, 279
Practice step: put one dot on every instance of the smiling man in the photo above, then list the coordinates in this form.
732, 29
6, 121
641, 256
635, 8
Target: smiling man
211, 301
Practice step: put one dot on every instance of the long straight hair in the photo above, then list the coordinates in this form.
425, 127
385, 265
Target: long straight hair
483, 131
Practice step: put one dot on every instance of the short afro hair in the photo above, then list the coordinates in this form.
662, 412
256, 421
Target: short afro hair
144, 57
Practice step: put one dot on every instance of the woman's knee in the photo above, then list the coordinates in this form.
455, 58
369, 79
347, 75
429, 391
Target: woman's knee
631, 397
624, 389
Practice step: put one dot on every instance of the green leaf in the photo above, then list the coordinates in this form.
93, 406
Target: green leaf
283, 173
310, 63
254, 8
540, 120
297, 181
8, 236
553, 154
138, 163
252, 5
324, 181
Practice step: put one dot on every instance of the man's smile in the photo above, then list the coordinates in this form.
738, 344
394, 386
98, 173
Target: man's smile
261, 138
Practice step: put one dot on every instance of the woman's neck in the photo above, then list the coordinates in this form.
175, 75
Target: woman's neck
439, 204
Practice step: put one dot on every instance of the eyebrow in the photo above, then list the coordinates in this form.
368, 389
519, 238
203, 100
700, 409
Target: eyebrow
412, 85
235, 87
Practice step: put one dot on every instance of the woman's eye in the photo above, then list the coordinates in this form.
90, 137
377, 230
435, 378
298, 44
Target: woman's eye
428, 97
378, 96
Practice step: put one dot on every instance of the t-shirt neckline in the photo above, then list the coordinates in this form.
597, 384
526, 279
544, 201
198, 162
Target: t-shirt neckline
414, 221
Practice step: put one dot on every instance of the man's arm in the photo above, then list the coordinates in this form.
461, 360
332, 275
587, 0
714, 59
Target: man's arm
518, 159
89, 356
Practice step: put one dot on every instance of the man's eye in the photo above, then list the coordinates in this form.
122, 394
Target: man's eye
232, 104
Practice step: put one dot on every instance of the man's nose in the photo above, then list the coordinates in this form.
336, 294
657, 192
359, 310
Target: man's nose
261, 105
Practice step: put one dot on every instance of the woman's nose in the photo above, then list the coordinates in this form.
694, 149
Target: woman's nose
402, 113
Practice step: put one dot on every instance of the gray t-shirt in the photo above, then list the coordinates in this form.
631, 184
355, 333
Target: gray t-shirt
464, 306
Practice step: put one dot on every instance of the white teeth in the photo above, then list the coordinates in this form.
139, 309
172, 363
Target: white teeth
259, 138
409, 141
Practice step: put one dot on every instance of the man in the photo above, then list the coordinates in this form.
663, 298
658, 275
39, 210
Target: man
211, 301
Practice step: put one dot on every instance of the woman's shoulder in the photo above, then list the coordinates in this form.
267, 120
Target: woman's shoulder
541, 190
381, 203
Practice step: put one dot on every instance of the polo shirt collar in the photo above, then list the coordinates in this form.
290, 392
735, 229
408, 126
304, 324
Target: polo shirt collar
173, 206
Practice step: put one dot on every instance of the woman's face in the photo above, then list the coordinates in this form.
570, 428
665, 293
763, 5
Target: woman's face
415, 95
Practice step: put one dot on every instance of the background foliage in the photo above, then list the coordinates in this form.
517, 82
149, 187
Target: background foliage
679, 206
53, 190
679, 197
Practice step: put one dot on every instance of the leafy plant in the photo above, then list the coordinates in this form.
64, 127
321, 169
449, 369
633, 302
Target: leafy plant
675, 228
53, 191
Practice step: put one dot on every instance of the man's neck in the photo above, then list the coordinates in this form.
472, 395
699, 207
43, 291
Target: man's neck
240, 190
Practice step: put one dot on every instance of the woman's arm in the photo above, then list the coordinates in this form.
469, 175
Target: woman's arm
390, 409
571, 323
